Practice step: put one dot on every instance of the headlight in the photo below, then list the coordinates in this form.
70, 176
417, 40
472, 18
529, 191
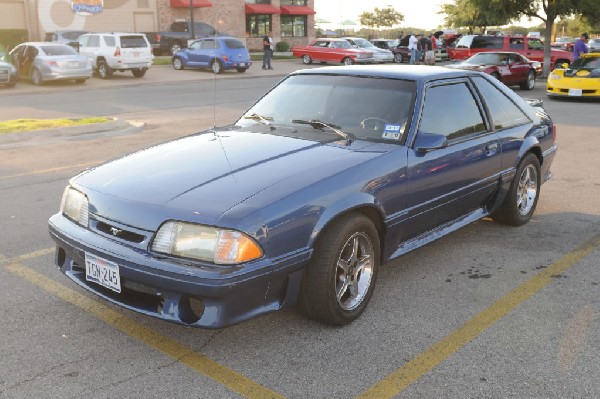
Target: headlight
553, 76
187, 240
74, 205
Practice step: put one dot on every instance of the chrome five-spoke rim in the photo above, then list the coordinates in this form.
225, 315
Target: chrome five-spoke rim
527, 190
354, 271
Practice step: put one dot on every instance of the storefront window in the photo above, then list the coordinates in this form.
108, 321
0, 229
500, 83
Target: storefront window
293, 25
293, 3
257, 25
258, 1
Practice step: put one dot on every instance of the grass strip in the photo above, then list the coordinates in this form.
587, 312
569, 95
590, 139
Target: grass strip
27, 125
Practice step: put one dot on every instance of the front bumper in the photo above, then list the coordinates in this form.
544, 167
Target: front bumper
205, 296
590, 87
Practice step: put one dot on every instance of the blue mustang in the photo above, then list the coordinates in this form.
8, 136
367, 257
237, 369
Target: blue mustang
332, 173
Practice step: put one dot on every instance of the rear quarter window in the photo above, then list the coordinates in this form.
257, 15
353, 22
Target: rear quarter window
109, 41
133, 42
234, 43
505, 113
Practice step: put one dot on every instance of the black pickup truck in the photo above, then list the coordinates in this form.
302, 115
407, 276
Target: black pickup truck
177, 36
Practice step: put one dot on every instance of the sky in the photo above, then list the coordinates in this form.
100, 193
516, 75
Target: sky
418, 14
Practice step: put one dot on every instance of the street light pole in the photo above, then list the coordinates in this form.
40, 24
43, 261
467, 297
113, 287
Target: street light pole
192, 20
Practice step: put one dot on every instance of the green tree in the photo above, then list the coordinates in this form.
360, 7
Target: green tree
381, 18
466, 13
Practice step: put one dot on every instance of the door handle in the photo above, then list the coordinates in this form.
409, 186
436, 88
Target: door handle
491, 149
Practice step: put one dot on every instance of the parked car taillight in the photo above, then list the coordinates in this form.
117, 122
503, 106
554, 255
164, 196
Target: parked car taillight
51, 63
117, 52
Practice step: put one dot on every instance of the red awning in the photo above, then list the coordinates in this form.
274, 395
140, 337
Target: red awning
261, 9
186, 3
297, 10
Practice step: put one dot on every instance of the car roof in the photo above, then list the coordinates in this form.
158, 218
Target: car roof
419, 73
44, 44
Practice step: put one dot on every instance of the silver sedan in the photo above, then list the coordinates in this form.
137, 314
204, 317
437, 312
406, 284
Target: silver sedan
43, 61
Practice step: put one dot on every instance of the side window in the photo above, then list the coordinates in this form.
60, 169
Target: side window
195, 45
452, 111
83, 41
516, 43
94, 41
208, 44
535, 44
109, 41
505, 113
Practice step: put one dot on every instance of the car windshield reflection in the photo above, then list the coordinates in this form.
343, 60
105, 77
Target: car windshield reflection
366, 109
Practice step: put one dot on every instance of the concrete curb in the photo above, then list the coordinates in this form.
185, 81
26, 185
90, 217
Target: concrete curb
114, 127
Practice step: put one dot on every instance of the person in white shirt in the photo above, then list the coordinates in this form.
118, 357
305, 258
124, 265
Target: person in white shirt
412, 46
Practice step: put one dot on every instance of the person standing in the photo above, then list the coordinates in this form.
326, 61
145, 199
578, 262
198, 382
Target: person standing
580, 46
428, 48
267, 51
412, 47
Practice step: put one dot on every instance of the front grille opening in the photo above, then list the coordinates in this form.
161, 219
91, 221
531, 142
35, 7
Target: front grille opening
120, 233
191, 309
76, 268
138, 300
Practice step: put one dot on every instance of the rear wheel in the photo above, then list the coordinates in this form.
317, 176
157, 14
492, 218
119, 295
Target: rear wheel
36, 77
347, 61
174, 47
529, 84
398, 58
306, 59
104, 71
523, 194
216, 66
138, 73
340, 278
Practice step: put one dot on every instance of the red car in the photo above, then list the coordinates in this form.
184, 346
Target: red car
564, 43
332, 50
530, 47
509, 68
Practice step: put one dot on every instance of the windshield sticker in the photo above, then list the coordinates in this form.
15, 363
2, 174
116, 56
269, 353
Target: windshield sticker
392, 132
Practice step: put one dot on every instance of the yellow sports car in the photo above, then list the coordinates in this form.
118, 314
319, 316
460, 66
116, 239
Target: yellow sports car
580, 79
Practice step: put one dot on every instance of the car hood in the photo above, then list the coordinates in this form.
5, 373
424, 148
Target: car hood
200, 177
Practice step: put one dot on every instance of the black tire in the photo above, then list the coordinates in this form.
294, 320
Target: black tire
347, 61
178, 63
523, 194
104, 71
174, 47
138, 73
327, 288
529, 84
36, 77
241, 70
398, 58
216, 66
306, 59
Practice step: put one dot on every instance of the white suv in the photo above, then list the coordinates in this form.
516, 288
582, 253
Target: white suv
111, 52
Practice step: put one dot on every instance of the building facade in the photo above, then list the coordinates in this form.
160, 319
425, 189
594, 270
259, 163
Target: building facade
292, 21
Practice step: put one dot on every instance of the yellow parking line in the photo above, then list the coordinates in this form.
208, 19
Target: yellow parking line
20, 258
40, 172
399, 380
182, 354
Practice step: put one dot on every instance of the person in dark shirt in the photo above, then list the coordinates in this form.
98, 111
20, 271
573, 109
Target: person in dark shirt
580, 46
267, 51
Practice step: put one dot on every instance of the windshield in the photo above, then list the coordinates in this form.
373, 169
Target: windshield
586, 63
488, 59
364, 108
364, 43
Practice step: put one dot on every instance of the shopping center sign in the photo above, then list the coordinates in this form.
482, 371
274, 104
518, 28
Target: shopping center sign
87, 7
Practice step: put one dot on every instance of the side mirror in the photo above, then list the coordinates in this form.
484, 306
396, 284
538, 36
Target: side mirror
426, 142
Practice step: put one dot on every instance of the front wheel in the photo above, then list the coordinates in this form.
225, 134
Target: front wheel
529, 84
347, 61
340, 278
397, 58
523, 194
306, 59
36, 77
178, 63
138, 73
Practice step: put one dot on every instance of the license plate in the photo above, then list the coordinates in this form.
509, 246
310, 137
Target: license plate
575, 92
136, 54
103, 272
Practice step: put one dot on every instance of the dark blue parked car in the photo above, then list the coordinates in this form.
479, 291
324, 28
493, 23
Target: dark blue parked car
216, 53
332, 173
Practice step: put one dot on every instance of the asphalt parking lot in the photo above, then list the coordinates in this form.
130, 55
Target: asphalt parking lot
486, 312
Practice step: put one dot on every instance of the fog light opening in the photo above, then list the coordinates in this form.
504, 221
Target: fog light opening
191, 309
